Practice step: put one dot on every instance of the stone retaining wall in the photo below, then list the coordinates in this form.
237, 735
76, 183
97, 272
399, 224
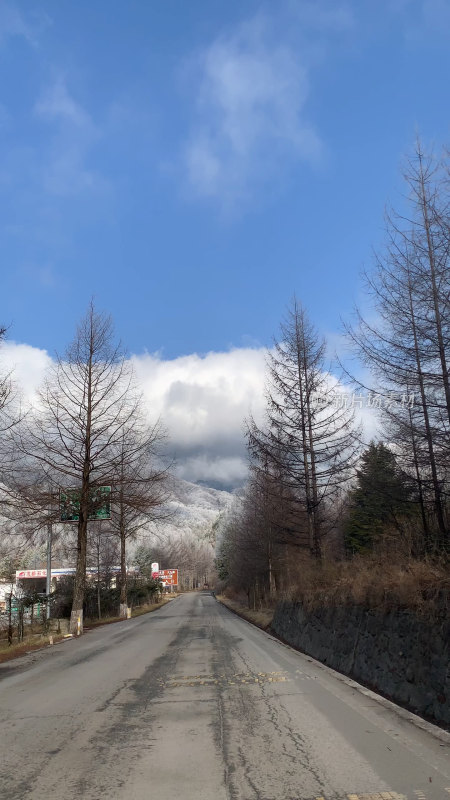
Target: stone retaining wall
402, 654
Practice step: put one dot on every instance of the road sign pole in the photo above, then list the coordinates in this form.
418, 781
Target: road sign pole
48, 588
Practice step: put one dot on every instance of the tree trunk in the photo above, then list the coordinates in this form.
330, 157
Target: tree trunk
20, 613
76, 616
315, 503
426, 532
424, 200
303, 413
271, 579
10, 627
428, 433
123, 575
99, 602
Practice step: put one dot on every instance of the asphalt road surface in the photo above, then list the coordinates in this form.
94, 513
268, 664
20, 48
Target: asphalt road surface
193, 703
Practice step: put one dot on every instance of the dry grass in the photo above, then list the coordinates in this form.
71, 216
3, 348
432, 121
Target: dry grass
262, 617
35, 642
372, 581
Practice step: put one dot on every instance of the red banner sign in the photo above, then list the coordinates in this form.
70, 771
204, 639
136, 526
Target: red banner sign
168, 577
31, 573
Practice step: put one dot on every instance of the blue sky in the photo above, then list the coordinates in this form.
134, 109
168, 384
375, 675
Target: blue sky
192, 165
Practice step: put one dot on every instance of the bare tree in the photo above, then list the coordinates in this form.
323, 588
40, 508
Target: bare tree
72, 436
309, 438
140, 489
407, 346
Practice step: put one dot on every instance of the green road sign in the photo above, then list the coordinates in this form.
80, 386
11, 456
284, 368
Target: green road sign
99, 504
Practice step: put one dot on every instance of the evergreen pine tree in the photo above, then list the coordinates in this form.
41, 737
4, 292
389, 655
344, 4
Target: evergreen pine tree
380, 498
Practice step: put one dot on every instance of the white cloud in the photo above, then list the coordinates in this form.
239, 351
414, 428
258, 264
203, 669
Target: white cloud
28, 364
250, 118
202, 401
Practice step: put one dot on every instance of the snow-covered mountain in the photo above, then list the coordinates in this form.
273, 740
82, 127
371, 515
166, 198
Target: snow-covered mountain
194, 509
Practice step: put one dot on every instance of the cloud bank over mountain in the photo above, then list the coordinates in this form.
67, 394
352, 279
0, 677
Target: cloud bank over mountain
202, 401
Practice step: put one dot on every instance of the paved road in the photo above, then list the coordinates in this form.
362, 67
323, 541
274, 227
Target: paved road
192, 702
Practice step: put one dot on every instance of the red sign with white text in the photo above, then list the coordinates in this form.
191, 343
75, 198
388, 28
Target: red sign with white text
168, 577
31, 573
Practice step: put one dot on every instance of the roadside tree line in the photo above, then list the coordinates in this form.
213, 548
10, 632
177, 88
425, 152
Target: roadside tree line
315, 485
87, 429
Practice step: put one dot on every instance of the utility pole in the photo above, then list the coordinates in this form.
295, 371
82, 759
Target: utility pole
48, 588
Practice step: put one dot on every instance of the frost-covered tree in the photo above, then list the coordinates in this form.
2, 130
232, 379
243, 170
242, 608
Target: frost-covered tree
309, 440
71, 437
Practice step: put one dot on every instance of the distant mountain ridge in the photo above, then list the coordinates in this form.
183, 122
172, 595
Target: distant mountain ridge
196, 508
